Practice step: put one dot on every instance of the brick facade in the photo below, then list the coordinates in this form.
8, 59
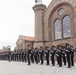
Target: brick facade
44, 22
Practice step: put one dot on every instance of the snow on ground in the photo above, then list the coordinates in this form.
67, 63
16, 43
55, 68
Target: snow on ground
21, 68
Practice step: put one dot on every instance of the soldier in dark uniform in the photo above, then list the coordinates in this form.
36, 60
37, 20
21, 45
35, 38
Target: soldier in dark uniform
22, 55
29, 54
68, 53
47, 52
12, 55
15, 55
57, 56
52, 52
36, 55
60, 55
64, 55
41, 55
19, 55
72, 56
9, 56
25, 55
32, 55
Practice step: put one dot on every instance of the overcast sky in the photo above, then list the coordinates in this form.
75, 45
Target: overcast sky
16, 18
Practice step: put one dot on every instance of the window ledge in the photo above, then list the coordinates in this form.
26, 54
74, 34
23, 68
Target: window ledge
62, 38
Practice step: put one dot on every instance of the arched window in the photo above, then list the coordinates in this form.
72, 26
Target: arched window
57, 29
66, 27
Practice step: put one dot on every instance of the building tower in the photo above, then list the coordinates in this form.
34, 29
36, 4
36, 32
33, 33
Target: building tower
39, 9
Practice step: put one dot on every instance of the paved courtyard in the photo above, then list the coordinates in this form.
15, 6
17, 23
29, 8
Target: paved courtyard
21, 68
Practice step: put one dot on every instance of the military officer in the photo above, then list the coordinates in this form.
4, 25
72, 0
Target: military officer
47, 53
64, 55
68, 53
60, 55
15, 55
36, 55
57, 56
52, 52
72, 56
9, 56
25, 55
41, 55
32, 55
19, 55
29, 54
22, 55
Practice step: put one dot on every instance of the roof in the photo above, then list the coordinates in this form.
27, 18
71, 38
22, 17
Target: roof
28, 38
3, 51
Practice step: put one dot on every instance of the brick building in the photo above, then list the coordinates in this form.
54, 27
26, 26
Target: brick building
23, 41
55, 24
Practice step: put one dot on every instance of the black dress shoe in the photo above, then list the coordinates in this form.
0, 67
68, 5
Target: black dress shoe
64, 64
28, 64
72, 65
68, 67
59, 66
53, 65
47, 64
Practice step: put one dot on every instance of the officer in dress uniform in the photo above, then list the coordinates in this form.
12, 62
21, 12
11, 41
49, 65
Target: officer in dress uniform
72, 56
13, 55
16, 55
32, 55
68, 53
52, 52
36, 55
9, 56
60, 55
22, 55
41, 55
25, 55
19, 55
29, 54
64, 55
57, 56
47, 53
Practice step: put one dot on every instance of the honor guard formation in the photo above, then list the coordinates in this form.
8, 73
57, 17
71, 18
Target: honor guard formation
57, 55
